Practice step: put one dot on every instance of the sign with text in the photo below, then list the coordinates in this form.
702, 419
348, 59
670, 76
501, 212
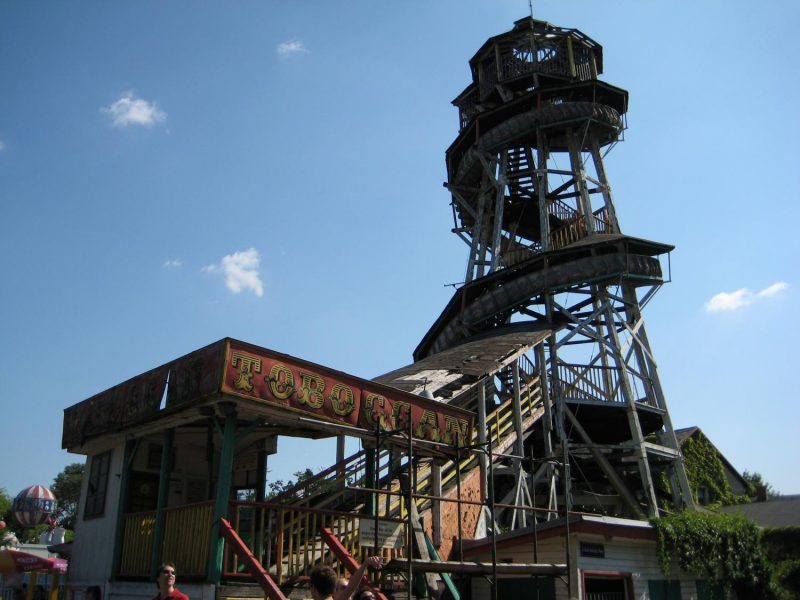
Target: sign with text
238, 369
390, 534
323, 393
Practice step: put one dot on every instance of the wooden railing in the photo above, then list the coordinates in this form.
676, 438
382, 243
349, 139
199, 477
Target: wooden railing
600, 384
579, 382
186, 537
137, 544
326, 488
574, 227
286, 539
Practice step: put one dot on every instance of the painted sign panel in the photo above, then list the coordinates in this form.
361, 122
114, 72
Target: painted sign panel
278, 380
390, 534
330, 395
139, 399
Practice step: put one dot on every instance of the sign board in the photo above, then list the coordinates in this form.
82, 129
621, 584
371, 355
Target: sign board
299, 386
240, 370
390, 534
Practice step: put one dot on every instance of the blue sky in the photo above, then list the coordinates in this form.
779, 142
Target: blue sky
172, 173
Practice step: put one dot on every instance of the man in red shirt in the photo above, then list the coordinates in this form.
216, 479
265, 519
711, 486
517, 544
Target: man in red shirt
166, 584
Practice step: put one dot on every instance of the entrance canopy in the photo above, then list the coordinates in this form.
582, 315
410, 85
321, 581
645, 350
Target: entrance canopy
309, 399
15, 561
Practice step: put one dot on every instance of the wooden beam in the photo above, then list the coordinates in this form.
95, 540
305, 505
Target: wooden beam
477, 568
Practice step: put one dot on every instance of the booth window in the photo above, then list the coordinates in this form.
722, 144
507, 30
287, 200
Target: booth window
98, 483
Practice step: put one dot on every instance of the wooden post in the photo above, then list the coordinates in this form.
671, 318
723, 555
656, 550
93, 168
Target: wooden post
31, 585
216, 543
131, 446
161, 503
482, 462
436, 505
54, 576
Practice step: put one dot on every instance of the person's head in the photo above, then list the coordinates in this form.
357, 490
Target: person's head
166, 575
323, 581
366, 595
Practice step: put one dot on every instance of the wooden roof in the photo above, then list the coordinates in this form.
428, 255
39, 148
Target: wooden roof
453, 371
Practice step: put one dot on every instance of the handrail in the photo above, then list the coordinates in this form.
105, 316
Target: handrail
253, 566
342, 469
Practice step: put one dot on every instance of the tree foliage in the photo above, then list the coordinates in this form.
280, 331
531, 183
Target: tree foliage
722, 549
782, 547
67, 488
279, 487
755, 481
5, 503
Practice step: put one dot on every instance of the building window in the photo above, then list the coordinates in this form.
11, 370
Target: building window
606, 587
662, 589
98, 484
708, 591
593, 550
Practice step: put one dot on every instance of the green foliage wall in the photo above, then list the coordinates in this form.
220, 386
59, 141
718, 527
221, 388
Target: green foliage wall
705, 470
782, 547
731, 551
722, 549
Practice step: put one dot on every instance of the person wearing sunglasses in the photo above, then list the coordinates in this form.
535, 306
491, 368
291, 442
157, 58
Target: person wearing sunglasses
166, 584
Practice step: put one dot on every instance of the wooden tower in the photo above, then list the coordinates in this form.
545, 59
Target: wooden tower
531, 199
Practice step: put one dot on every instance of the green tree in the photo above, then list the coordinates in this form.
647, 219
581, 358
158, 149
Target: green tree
755, 481
5, 503
67, 488
6, 514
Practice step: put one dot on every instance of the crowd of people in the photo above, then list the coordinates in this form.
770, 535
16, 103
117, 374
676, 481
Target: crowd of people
323, 581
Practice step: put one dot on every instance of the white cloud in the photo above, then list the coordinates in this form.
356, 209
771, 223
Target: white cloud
291, 47
130, 110
773, 289
173, 263
241, 271
742, 297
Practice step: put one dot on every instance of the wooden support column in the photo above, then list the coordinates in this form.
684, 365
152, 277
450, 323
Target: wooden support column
131, 446
161, 503
519, 446
436, 505
216, 543
500, 190
644, 356
579, 173
605, 186
633, 416
210, 457
541, 189
547, 401
54, 577
371, 477
482, 460
340, 440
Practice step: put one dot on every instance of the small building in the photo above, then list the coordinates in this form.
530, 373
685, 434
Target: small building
177, 452
608, 559
703, 489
